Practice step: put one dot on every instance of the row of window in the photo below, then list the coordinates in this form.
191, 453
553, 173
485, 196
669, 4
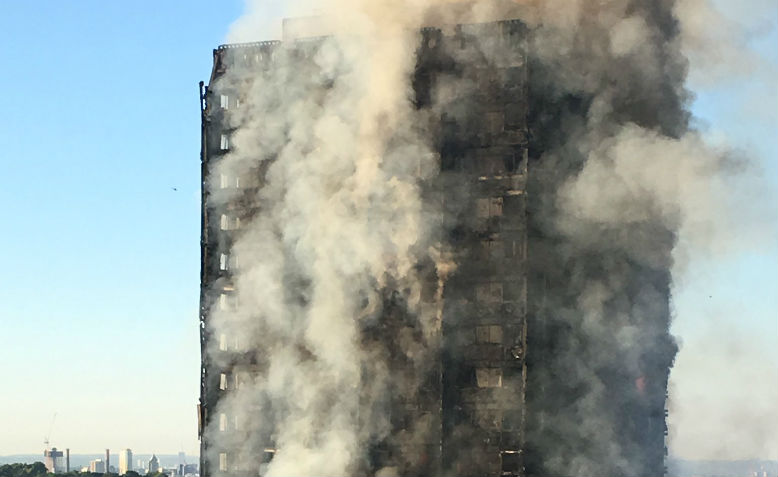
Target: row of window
488, 293
485, 378
235, 380
499, 249
488, 207
228, 302
226, 424
267, 456
229, 222
226, 103
493, 293
228, 262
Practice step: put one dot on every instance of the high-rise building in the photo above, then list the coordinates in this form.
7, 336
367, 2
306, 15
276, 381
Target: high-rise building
491, 394
53, 460
97, 466
153, 464
125, 461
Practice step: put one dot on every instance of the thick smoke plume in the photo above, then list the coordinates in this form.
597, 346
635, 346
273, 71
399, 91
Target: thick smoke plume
622, 187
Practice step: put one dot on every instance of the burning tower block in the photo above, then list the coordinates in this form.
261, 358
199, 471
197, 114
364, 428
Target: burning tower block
477, 339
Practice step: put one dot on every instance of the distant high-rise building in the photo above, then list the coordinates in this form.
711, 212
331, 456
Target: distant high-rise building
125, 461
153, 464
53, 460
97, 466
181, 462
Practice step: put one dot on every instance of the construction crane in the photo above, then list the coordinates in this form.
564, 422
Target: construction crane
48, 434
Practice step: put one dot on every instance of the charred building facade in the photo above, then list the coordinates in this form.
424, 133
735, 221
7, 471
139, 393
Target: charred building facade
492, 395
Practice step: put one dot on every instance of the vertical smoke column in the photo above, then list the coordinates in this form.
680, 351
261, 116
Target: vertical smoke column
327, 144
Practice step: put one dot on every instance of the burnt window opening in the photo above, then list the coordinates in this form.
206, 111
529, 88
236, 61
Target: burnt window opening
489, 207
511, 463
491, 166
494, 123
517, 249
488, 334
489, 419
511, 162
492, 249
515, 116
223, 381
224, 144
488, 377
489, 293
513, 76
513, 292
514, 205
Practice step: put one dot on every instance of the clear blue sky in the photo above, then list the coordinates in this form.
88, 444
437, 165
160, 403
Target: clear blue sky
99, 295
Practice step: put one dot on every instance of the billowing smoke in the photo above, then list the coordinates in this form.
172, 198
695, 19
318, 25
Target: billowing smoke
341, 152
347, 229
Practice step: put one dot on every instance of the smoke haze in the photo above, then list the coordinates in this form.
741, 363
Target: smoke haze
627, 194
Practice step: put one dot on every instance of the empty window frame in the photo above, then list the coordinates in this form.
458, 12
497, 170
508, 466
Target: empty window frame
491, 166
489, 292
514, 291
225, 142
488, 377
493, 249
515, 116
489, 207
229, 181
488, 418
229, 222
495, 122
228, 302
516, 248
225, 101
488, 334
240, 379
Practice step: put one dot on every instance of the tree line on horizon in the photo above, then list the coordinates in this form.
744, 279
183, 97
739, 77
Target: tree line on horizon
38, 469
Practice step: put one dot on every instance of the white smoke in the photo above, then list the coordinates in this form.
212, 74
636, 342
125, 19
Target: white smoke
340, 216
